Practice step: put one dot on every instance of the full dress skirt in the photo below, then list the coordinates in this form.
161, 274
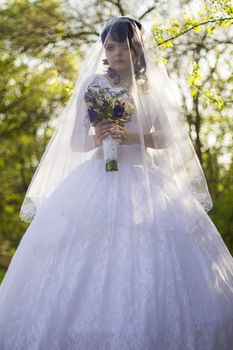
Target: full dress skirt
90, 272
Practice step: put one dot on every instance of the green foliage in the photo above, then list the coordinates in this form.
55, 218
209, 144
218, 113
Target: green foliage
194, 79
212, 95
196, 47
31, 25
222, 213
32, 92
207, 19
2, 274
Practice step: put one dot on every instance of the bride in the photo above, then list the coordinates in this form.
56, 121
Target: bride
120, 252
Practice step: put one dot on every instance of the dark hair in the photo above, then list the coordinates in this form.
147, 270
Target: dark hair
122, 29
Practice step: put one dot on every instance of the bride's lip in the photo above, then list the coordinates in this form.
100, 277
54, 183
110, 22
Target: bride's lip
119, 61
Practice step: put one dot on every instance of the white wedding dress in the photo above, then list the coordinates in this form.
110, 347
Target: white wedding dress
91, 274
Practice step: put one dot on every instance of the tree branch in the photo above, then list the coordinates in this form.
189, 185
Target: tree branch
146, 12
195, 26
118, 5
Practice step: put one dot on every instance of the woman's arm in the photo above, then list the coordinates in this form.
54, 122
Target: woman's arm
151, 139
134, 138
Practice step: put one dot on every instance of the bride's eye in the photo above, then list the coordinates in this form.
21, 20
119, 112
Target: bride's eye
109, 48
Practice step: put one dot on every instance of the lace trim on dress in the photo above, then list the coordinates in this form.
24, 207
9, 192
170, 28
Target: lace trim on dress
203, 198
28, 210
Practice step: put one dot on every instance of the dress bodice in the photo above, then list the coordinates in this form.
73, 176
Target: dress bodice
131, 154
132, 125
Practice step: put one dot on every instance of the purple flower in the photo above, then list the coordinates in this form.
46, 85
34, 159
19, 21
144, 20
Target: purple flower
118, 110
92, 115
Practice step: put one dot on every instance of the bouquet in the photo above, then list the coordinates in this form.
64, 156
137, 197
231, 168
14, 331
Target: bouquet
106, 104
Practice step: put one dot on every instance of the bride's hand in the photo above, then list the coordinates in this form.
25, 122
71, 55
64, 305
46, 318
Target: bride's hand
119, 132
102, 129
105, 128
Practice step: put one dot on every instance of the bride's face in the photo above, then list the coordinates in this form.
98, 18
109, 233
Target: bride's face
119, 55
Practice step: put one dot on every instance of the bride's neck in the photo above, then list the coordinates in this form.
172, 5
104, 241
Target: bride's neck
125, 78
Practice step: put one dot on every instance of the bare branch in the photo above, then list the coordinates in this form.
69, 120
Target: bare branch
146, 12
118, 5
